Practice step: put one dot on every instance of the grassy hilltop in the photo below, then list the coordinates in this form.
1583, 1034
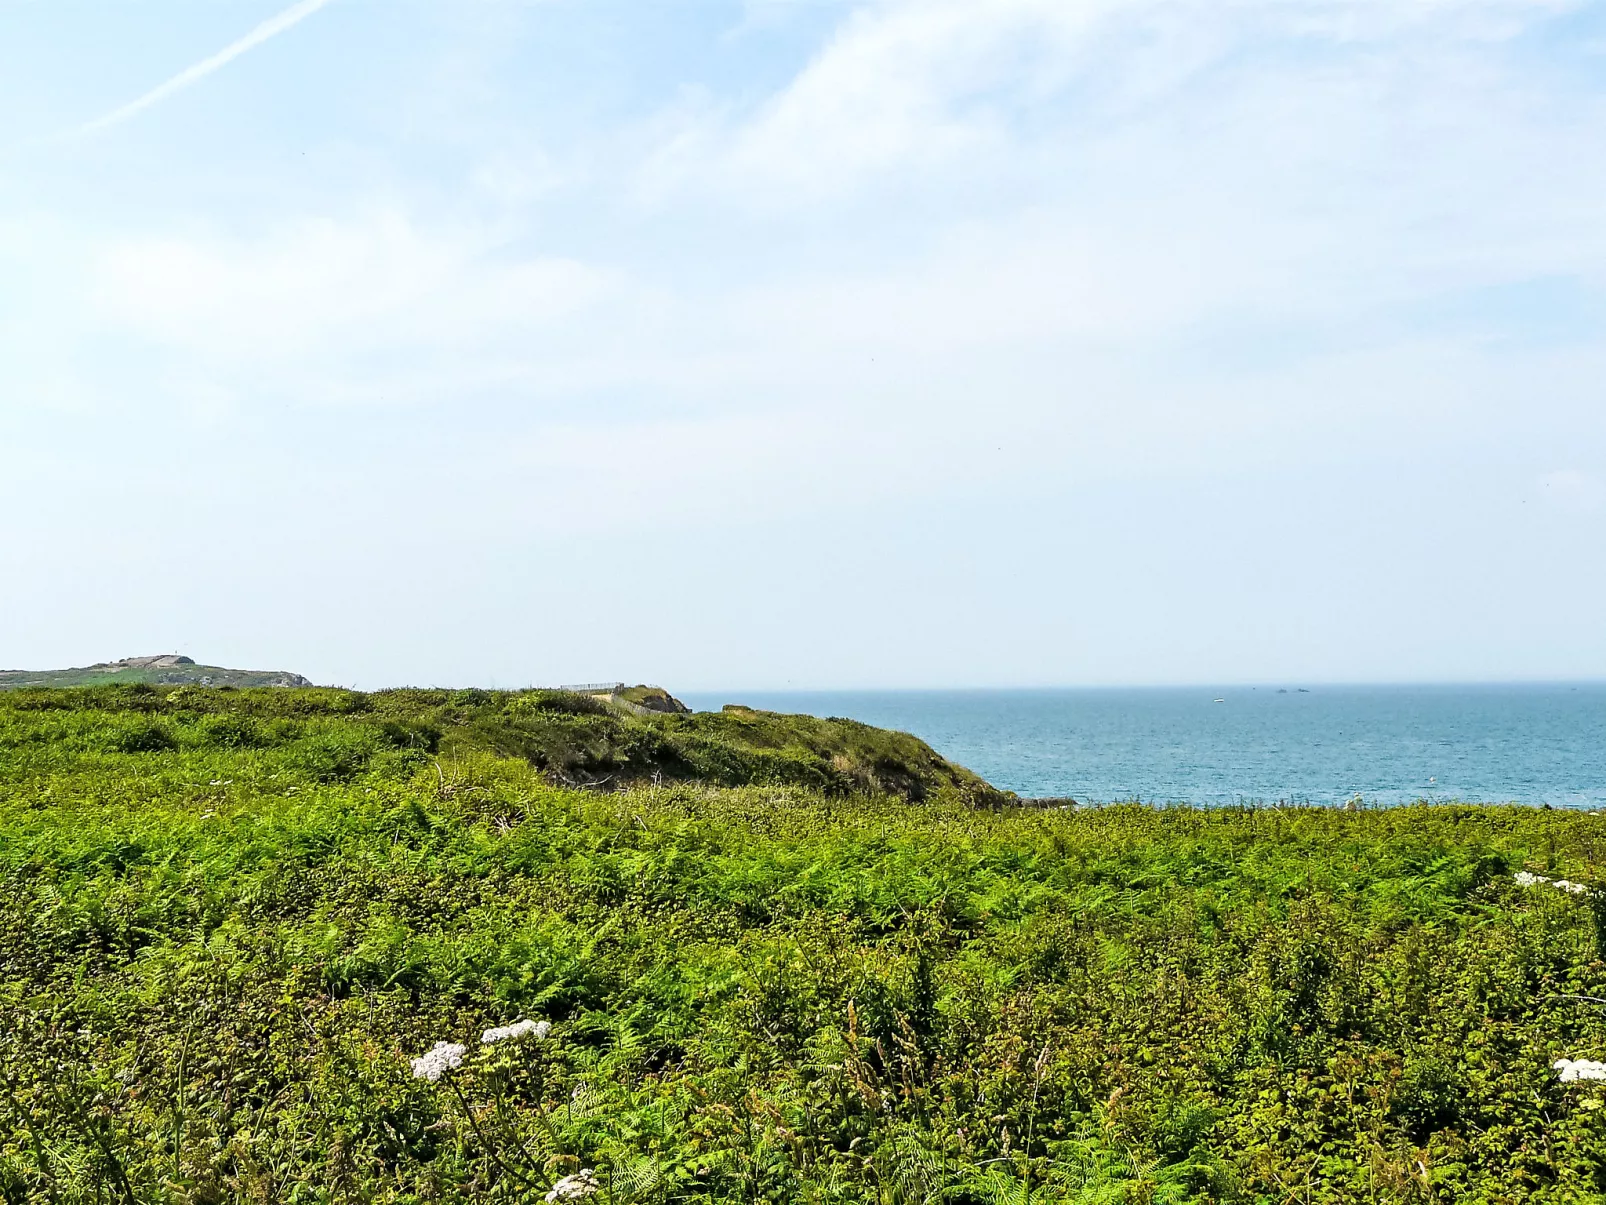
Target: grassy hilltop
782, 959
169, 669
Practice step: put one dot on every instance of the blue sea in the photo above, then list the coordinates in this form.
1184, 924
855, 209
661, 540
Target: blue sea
1529, 744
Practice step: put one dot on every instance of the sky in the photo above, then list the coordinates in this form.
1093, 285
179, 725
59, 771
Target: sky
777, 344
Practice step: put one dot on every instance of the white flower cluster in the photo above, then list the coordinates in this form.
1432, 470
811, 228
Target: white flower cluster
1525, 879
440, 1059
571, 1188
1570, 1070
518, 1029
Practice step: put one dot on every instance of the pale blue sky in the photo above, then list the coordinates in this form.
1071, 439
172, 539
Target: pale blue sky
806, 344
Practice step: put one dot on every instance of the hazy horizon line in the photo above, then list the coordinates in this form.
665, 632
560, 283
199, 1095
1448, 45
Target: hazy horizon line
1291, 684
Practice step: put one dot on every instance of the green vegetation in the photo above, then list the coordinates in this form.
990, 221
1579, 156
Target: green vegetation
650, 698
229, 920
171, 669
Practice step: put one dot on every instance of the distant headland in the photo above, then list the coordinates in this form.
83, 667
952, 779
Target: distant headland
162, 669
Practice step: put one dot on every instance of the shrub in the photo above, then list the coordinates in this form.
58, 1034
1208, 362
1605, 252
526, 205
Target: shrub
218, 965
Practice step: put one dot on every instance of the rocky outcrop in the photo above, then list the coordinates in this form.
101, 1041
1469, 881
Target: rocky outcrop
162, 661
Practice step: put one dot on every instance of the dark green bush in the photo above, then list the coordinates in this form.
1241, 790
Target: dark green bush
332, 754
230, 731
140, 736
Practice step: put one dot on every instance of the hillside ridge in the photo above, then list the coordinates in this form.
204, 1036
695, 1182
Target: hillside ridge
599, 742
160, 669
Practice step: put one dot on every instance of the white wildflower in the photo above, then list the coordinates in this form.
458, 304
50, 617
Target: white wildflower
1524, 878
571, 1188
1571, 1070
440, 1059
517, 1030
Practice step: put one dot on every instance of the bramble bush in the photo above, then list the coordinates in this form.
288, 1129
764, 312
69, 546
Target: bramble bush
232, 923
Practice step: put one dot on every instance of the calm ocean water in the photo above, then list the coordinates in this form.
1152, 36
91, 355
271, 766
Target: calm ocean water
1390, 744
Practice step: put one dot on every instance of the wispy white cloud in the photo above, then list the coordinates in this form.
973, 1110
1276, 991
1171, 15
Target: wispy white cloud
372, 306
909, 95
273, 26
1113, 291
1119, 288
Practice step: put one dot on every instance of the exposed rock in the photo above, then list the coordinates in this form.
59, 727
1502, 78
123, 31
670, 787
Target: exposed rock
652, 698
161, 661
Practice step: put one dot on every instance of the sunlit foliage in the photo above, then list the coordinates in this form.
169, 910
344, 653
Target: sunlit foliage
230, 922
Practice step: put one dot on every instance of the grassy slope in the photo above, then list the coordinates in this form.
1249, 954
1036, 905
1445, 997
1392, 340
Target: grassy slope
227, 922
653, 698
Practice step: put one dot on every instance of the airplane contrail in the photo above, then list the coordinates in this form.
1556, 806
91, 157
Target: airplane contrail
273, 25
